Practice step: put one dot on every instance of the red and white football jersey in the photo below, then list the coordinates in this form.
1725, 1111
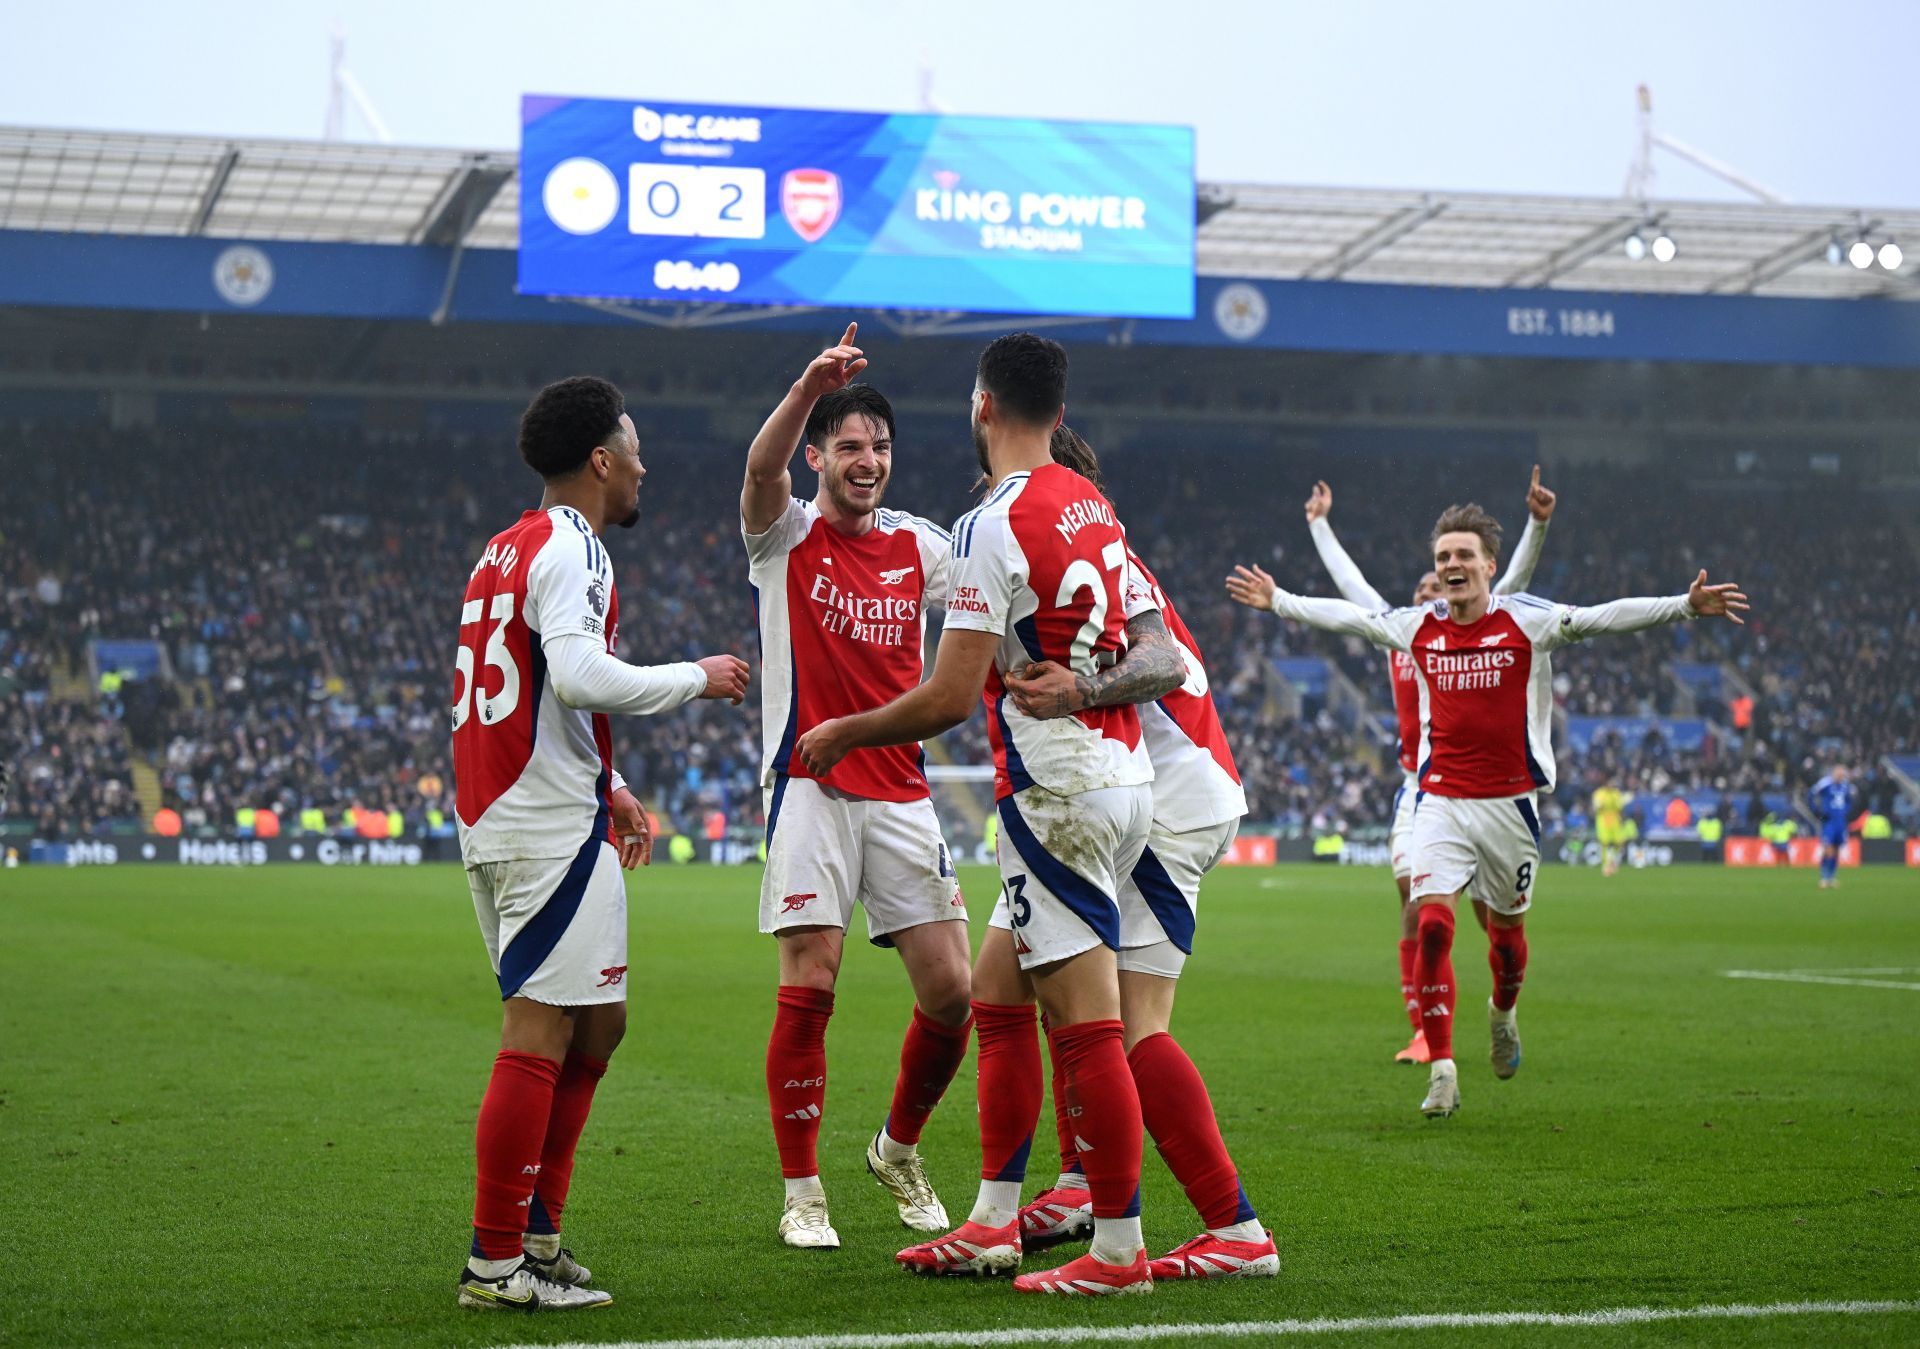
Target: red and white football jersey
1406, 707
1486, 688
1195, 782
532, 777
1357, 590
1042, 564
842, 622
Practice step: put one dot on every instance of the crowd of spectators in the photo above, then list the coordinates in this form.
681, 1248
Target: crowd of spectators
300, 582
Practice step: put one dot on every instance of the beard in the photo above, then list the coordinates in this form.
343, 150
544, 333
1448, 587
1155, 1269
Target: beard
980, 448
632, 517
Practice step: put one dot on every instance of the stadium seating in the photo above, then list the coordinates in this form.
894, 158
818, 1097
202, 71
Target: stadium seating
222, 619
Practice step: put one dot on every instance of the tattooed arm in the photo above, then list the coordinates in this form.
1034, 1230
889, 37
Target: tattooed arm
1151, 667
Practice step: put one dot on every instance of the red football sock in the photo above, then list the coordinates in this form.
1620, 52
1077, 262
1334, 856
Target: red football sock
1104, 1107
1507, 955
797, 1076
1408, 989
1009, 1088
929, 1057
572, 1099
507, 1138
1069, 1156
1177, 1111
1433, 978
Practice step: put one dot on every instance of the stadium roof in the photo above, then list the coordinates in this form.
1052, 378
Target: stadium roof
123, 183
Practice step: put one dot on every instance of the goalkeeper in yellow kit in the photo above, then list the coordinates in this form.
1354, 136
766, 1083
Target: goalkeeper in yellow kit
1610, 826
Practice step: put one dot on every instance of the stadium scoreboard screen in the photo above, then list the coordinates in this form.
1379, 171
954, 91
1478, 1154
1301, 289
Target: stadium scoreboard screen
770, 206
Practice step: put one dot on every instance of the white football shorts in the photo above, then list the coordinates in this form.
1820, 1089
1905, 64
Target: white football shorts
556, 927
1490, 849
826, 850
1063, 861
1160, 898
1400, 833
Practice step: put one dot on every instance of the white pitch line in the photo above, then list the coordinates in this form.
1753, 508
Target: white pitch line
1796, 977
990, 1339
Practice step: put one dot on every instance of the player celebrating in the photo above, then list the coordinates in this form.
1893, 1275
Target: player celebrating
1486, 704
540, 812
1040, 574
842, 588
1406, 702
1610, 825
1197, 805
1834, 800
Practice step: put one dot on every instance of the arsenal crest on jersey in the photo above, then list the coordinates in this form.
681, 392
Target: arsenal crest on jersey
810, 199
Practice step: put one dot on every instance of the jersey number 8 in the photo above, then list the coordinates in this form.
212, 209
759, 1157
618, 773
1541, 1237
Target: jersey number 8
496, 707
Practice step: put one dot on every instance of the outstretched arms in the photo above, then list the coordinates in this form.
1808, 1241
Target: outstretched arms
1702, 600
1252, 587
769, 484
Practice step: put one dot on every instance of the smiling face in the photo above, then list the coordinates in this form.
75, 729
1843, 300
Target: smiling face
1465, 570
1427, 591
854, 465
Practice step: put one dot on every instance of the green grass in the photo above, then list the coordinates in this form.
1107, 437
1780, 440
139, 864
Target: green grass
237, 1107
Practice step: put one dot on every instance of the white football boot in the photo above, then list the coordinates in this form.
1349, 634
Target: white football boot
524, 1289
1443, 1090
551, 1260
906, 1180
804, 1224
1506, 1041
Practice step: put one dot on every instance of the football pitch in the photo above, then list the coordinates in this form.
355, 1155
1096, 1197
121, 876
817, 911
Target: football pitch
236, 1107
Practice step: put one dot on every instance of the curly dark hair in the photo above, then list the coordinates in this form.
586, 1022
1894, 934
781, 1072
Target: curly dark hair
1469, 519
566, 421
856, 400
1027, 376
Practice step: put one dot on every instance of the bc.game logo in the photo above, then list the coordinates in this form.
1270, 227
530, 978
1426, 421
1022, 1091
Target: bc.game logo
810, 199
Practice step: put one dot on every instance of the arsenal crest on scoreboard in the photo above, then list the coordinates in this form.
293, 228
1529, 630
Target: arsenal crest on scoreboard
810, 199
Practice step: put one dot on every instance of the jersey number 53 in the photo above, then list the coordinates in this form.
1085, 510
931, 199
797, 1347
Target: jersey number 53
494, 707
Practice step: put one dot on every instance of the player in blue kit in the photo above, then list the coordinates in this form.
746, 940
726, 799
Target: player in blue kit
1834, 800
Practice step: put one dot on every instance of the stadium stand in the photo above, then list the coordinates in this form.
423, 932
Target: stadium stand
213, 618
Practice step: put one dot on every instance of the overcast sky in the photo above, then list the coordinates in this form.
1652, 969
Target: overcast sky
1816, 100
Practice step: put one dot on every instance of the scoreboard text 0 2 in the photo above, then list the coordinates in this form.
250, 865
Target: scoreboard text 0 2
855, 210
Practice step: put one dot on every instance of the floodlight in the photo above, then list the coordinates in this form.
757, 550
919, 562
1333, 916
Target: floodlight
1663, 248
1861, 254
1890, 256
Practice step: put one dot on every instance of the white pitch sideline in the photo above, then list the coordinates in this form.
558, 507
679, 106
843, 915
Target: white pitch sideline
1812, 977
1241, 1330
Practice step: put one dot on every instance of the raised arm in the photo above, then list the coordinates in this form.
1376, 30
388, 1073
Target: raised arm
1346, 575
769, 484
1389, 629
1526, 553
